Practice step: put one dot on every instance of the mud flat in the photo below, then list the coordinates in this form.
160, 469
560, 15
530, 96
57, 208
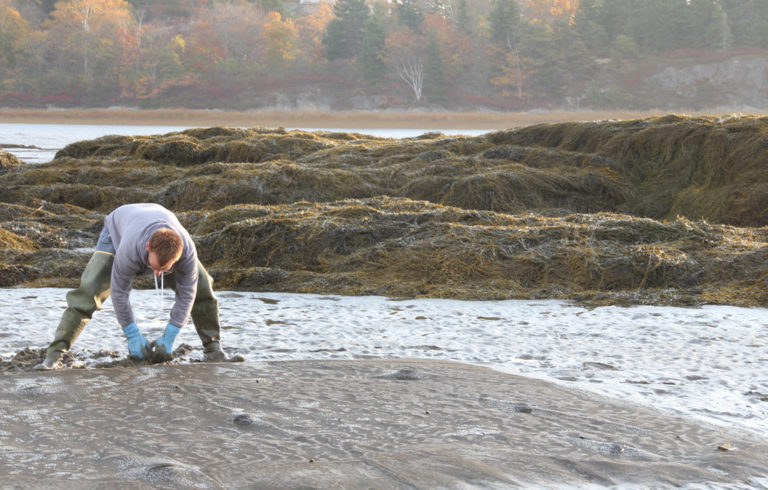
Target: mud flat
347, 424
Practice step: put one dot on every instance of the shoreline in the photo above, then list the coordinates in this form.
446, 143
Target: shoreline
308, 119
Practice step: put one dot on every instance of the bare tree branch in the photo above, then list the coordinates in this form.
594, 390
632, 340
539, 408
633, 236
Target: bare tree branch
411, 71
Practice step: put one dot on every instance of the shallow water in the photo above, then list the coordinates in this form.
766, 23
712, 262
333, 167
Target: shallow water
709, 362
44, 140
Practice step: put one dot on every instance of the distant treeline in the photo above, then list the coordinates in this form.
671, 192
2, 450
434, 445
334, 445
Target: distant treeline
454, 54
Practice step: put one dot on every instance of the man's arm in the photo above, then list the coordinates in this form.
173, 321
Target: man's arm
186, 290
121, 284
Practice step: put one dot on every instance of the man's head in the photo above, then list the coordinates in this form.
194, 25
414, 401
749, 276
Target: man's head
164, 249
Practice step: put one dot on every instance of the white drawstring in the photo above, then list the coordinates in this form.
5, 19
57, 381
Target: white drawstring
160, 291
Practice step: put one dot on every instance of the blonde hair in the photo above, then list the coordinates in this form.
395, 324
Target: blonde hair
167, 245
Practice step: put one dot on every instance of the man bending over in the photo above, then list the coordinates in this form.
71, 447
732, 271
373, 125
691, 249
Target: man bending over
141, 239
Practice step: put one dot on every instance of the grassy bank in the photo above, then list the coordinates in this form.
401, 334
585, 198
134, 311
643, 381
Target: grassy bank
346, 120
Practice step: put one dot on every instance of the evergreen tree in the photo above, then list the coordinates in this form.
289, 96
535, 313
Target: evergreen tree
674, 26
46, 5
748, 22
575, 62
658, 25
345, 32
704, 25
504, 20
509, 68
410, 15
613, 16
370, 59
463, 20
586, 24
435, 81
544, 71
624, 47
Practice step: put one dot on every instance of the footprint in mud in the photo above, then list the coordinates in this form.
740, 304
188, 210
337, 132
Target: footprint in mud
268, 301
408, 375
405, 374
32, 390
506, 405
176, 475
248, 422
246, 419
612, 449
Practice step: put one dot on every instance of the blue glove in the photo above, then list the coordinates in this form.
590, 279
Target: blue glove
164, 345
137, 344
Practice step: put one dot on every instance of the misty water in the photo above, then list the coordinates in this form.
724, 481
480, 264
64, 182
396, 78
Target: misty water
708, 363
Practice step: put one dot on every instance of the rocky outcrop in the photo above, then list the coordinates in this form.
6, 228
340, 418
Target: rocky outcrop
735, 81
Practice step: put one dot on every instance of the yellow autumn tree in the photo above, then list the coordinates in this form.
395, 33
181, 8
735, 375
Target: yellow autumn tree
280, 40
311, 29
13, 29
515, 76
543, 10
91, 31
90, 14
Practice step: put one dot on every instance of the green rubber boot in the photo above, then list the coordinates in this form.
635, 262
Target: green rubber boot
81, 303
205, 310
205, 316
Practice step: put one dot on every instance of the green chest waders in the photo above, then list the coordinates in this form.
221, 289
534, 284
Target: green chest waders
205, 309
81, 303
205, 316
95, 289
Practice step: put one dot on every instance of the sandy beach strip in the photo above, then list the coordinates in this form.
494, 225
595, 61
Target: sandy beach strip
305, 119
348, 424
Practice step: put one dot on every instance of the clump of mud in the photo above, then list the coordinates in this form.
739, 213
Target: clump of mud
26, 359
664, 210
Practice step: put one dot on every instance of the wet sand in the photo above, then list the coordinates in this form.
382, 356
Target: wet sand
347, 424
299, 119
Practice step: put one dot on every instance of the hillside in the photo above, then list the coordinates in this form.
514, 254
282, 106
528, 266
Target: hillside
353, 55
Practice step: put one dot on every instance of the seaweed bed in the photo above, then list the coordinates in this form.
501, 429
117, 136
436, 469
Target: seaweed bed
665, 210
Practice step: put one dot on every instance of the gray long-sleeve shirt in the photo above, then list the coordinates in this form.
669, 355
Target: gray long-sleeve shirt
130, 228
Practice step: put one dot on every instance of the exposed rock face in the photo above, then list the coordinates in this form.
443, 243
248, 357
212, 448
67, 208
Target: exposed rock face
639, 211
739, 81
